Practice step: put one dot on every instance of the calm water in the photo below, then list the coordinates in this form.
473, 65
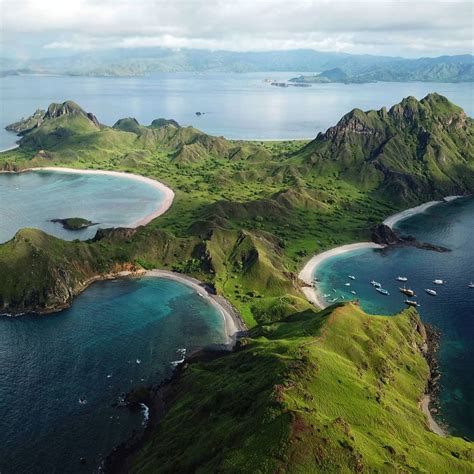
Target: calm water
47, 363
235, 105
452, 311
32, 199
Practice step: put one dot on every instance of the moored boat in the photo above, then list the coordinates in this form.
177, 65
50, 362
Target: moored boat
352, 277
376, 284
382, 291
438, 282
411, 303
407, 291
399, 278
431, 292
471, 285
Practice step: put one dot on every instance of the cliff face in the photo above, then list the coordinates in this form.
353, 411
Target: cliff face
414, 149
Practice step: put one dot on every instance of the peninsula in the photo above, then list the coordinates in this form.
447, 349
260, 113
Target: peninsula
305, 387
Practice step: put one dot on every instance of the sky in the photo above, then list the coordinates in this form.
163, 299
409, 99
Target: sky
36, 28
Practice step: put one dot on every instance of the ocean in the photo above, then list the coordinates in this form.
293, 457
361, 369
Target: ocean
451, 311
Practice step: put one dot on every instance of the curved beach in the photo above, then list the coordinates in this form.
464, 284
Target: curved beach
162, 205
394, 219
307, 273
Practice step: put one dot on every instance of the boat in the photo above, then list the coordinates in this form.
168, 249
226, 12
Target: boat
109, 376
399, 278
411, 303
352, 277
438, 282
334, 289
376, 284
82, 401
327, 295
353, 292
382, 291
471, 285
138, 361
431, 292
407, 291
347, 284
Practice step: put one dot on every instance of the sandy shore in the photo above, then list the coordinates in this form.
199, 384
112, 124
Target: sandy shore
233, 323
162, 205
394, 219
307, 273
425, 403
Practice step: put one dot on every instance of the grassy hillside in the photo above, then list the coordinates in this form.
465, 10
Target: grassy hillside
336, 391
247, 214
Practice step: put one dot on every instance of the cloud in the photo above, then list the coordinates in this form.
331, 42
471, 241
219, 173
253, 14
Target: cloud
390, 27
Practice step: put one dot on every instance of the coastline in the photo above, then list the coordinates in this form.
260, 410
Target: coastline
233, 324
425, 407
162, 205
307, 273
394, 219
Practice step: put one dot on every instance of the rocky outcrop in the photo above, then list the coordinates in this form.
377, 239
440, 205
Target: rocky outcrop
385, 235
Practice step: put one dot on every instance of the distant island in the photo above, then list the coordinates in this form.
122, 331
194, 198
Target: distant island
443, 69
306, 389
336, 67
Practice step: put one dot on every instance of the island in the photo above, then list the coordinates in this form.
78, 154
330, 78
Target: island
305, 389
74, 223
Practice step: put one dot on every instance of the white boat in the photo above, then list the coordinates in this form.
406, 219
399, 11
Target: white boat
382, 291
334, 289
347, 284
402, 278
353, 292
352, 277
82, 401
411, 303
327, 295
471, 285
138, 361
431, 292
376, 284
438, 282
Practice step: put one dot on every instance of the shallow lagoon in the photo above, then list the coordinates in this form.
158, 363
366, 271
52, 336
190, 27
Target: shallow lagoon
33, 198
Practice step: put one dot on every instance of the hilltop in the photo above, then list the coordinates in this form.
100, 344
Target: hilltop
301, 395
336, 389
246, 214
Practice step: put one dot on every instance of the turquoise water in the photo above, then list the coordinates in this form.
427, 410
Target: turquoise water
32, 199
48, 362
452, 311
235, 105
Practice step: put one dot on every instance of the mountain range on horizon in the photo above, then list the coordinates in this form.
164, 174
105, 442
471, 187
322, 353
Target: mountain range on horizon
352, 67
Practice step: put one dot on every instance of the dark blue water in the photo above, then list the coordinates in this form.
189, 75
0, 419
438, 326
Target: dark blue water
451, 311
32, 199
48, 362
235, 105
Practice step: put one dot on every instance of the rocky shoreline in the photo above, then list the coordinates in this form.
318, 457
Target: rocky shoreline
157, 399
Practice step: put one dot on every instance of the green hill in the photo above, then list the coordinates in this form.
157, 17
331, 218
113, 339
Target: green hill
336, 391
416, 149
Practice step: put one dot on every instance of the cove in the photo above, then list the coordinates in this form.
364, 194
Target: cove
34, 198
117, 335
451, 311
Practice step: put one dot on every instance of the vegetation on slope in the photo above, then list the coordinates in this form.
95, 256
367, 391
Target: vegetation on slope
247, 214
336, 391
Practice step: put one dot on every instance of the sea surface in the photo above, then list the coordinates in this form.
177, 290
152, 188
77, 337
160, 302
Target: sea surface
116, 336
451, 311
33, 198
234, 105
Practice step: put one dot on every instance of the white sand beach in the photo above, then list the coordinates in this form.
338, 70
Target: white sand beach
162, 205
425, 403
232, 321
394, 219
307, 273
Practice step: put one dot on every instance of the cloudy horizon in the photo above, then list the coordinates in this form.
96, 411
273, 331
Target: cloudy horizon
395, 28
